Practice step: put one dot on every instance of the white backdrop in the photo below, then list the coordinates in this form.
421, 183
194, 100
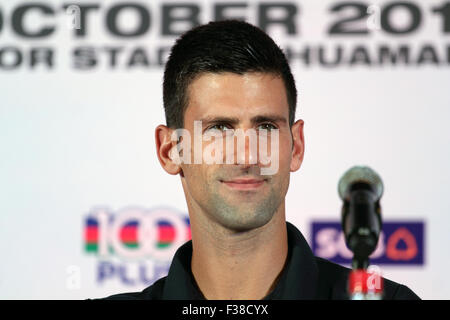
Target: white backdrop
73, 140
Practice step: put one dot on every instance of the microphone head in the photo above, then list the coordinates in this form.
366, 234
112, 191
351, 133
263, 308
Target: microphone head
360, 174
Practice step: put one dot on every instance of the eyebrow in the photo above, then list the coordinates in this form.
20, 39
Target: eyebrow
254, 120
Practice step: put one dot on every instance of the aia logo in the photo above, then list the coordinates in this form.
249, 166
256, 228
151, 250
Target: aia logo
399, 243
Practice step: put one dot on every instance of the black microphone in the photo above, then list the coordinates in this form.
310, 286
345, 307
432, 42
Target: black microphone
361, 189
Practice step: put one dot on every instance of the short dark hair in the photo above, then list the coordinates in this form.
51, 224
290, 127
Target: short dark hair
221, 46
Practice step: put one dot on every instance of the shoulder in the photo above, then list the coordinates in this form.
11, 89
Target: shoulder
333, 283
153, 292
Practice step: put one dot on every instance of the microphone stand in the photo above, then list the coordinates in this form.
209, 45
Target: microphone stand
362, 283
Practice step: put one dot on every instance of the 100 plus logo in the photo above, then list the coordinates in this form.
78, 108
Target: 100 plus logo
134, 245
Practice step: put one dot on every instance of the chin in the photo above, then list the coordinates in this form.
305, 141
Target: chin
240, 224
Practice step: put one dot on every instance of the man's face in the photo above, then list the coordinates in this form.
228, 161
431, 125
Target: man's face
237, 195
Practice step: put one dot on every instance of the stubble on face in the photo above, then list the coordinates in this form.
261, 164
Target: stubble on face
235, 209
240, 210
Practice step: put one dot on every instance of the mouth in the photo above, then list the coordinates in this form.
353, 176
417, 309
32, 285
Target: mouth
244, 183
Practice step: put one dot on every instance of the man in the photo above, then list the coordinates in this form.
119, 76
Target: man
224, 77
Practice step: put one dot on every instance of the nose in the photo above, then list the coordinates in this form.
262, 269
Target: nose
246, 147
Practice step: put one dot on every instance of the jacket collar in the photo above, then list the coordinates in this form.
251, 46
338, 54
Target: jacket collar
298, 279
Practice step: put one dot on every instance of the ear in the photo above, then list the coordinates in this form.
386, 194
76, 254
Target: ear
164, 145
298, 148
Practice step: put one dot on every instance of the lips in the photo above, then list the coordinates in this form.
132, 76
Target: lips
244, 183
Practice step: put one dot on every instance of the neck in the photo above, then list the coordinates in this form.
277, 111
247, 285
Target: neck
231, 265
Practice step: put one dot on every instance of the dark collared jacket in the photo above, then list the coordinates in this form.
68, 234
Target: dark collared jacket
304, 277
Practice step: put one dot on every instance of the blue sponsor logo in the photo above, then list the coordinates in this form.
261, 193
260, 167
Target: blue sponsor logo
400, 243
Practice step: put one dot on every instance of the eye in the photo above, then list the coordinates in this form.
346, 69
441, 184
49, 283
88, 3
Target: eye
267, 126
220, 127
